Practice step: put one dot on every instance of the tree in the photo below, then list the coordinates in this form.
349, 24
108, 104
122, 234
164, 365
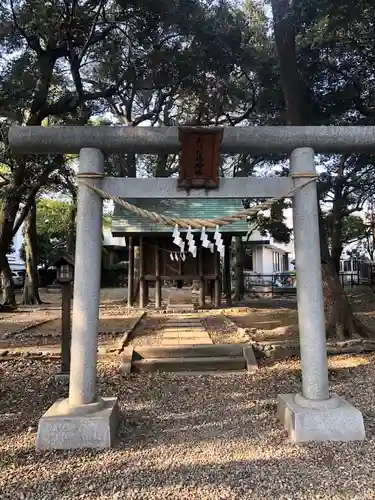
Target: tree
183, 75
53, 225
365, 248
67, 61
345, 187
21, 181
353, 230
302, 108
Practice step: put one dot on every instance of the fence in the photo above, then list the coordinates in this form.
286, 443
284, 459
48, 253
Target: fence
270, 284
356, 272
286, 284
352, 279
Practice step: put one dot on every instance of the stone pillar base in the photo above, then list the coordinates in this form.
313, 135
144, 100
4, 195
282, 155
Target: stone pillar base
333, 420
66, 428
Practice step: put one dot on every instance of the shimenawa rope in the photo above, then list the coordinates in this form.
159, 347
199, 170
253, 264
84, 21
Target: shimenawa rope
196, 223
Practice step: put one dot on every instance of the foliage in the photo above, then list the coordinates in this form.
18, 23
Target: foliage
53, 223
353, 228
66, 62
365, 248
272, 223
318, 57
164, 63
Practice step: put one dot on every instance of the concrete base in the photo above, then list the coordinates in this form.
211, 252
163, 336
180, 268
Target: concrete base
334, 420
66, 428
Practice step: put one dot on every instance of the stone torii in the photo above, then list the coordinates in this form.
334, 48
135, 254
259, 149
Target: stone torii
87, 420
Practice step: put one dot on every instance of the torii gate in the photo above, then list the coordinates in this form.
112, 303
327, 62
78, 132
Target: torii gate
87, 420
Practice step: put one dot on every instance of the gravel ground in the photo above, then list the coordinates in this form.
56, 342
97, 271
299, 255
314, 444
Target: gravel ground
41, 327
270, 323
222, 331
208, 437
149, 331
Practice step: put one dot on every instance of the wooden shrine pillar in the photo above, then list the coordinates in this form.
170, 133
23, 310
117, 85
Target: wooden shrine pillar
130, 272
157, 273
202, 291
217, 285
211, 291
142, 281
239, 276
227, 273
147, 295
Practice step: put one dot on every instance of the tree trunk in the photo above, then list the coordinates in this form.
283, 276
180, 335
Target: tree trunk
136, 275
338, 214
340, 320
7, 218
297, 101
9, 298
300, 108
11, 203
30, 291
71, 228
336, 251
161, 165
131, 164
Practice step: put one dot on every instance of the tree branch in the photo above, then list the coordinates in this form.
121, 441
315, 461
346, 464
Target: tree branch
70, 103
155, 112
98, 37
356, 85
33, 40
30, 199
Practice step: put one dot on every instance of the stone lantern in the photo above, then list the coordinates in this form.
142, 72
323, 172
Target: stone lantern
65, 276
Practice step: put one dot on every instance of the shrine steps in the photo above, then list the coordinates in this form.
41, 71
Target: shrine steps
188, 351
180, 308
188, 359
188, 364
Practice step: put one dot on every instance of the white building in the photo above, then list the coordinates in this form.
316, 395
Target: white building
14, 257
263, 255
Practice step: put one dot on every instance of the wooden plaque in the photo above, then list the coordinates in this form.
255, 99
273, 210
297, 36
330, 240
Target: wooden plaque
200, 157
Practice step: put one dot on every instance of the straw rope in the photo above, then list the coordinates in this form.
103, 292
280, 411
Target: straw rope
197, 223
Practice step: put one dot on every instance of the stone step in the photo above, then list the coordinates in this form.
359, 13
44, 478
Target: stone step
183, 333
188, 351
179, 328
189, 364
184, 341
180, 308
183, 324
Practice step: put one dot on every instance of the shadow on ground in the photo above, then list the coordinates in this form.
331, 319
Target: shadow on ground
206, 437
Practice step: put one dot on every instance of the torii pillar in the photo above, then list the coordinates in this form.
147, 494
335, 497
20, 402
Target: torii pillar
314, 414
84, 420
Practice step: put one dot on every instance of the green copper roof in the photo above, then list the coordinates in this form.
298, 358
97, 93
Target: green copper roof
127, 222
